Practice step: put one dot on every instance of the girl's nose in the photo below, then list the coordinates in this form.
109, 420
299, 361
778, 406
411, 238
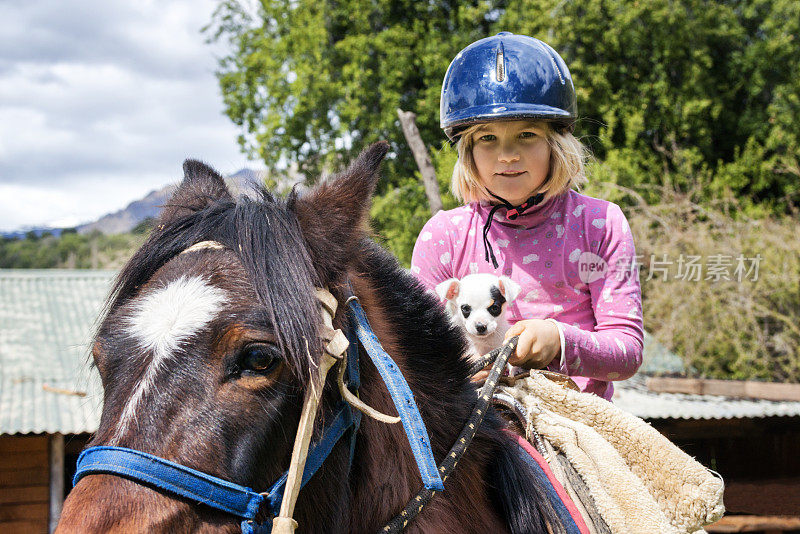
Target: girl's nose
508, 155
509, 152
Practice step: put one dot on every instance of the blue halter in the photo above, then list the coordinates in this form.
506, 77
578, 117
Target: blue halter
242, 501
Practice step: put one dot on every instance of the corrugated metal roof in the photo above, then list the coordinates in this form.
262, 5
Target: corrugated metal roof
47, 318
658, 359
46, 323
633, 396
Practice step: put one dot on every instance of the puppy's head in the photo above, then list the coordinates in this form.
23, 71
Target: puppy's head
478, 301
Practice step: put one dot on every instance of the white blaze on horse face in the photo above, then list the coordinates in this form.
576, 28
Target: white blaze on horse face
164, 319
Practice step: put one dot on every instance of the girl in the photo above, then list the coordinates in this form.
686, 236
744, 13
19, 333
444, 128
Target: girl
508, 105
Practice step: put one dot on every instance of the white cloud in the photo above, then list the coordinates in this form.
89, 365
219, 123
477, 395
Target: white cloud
100, 103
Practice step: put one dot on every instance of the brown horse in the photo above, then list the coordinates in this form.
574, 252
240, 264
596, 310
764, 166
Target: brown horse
205, 355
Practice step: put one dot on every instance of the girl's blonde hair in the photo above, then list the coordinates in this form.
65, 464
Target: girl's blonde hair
567, 166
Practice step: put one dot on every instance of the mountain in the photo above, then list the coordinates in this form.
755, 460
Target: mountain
127, 218
240, 183
149, 207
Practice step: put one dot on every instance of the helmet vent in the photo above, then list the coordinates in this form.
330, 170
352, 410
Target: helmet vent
555, 66
501, 66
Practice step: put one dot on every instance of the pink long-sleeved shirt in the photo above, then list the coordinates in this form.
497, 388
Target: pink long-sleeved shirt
574, 258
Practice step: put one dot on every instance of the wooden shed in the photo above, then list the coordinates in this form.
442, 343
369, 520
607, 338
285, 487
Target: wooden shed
50, 399
748, 432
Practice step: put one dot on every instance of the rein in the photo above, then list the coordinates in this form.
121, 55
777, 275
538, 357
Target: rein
424, 496
307, 458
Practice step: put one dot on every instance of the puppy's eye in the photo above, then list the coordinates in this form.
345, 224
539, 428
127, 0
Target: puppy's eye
465, 310
259, 358
494, 309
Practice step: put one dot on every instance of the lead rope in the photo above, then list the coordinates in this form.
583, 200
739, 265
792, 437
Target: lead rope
335, 351
424, 496
336, 345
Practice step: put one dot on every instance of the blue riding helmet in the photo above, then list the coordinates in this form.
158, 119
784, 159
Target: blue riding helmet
504, 77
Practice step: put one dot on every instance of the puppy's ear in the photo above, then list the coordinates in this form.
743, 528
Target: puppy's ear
448, 290
508, 288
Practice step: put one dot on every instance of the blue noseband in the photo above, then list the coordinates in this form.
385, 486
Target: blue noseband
242, 501
209, 490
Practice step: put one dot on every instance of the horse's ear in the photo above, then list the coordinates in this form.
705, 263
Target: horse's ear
334, 214
201, 186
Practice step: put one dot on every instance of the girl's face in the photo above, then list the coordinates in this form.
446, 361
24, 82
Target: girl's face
512, 158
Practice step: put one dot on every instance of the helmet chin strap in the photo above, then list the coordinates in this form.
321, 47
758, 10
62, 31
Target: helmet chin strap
512, 213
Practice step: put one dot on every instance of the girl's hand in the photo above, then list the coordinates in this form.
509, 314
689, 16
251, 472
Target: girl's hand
539, 343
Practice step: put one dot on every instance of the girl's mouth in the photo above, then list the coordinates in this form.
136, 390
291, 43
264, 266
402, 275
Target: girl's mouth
510, 174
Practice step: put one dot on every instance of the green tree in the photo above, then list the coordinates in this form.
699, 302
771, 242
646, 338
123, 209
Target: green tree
71, 250
399, 213
696, 95
313, 82
144, 227
691, 94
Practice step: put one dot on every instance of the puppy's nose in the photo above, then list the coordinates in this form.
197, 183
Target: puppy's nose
480, 328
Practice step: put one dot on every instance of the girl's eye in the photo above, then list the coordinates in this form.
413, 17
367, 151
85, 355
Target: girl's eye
259, 358
528, 135
487, 137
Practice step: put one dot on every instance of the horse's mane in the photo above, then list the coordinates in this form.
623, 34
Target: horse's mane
439, 377
264, 233
422, 325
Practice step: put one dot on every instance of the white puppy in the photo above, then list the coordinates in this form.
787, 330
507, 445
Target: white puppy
477, 303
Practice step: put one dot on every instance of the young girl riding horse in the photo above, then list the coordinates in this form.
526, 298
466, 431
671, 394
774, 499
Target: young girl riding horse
508, 105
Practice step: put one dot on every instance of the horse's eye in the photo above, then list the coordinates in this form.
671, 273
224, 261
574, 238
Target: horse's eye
465, 310
259, 358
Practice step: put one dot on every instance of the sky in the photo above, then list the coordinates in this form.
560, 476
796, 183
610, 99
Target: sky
100, 103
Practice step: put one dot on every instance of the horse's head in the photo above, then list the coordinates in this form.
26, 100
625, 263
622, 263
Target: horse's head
205, 351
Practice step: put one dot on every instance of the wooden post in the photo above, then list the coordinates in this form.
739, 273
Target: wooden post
754, 523
747, 389
56, 479
423, 159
